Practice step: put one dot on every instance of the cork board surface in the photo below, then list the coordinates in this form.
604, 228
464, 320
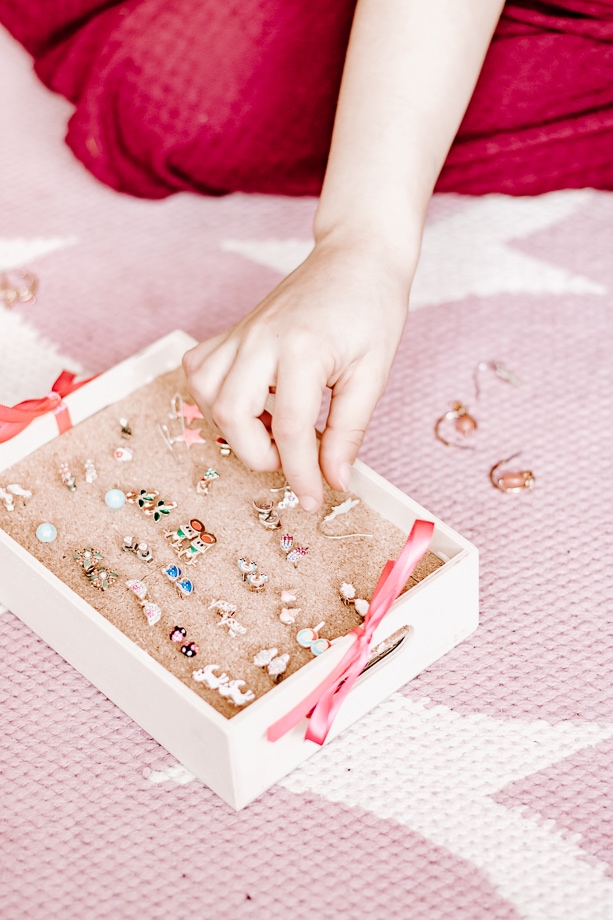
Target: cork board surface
82, 519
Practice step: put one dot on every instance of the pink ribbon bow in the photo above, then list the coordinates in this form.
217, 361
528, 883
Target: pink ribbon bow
324, 702
14, 419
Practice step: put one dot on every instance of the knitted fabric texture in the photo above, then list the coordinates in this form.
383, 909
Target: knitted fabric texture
478, 792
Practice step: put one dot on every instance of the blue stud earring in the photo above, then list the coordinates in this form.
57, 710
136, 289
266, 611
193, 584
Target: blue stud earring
184, 586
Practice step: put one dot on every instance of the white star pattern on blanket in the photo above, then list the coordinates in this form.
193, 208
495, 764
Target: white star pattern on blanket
468, 253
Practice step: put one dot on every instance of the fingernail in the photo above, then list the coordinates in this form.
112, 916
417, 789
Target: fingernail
344, 474
308, 503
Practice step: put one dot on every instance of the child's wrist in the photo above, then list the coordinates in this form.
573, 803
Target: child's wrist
394, 248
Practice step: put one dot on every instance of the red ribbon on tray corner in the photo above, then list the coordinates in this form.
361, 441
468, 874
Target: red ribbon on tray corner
14, 419
323, 703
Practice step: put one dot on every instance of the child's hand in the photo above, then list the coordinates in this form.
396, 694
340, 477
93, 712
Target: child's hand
336, 321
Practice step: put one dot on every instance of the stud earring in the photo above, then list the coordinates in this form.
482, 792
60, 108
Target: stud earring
46, 532
88, 558
115, 499
275, 664
232, 691
268, 516
256, 581
347, 595
246, 568
184, 586
224, 448
223, 608
233, 626
90, 472
189, 649
226, 611
126, 430
139, 589
200, 540
123, 454
207, 676
511, 481
67, 478
310, 638
8, 495
100, 577
289, 500
205, 482
141, 550
288, 611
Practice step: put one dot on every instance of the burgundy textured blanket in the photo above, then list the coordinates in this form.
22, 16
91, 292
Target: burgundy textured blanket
208, 96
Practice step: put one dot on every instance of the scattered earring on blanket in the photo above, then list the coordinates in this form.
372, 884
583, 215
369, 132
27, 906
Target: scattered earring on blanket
310, 638
498, 369
511, 481
126, 430
18, 287
464, 424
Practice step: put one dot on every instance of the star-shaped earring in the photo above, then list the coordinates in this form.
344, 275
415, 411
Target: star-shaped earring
191, 412
190, 436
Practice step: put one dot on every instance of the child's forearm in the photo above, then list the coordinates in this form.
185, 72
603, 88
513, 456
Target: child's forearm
410, 72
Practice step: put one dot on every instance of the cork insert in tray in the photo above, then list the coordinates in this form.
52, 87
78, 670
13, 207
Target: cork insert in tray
82, 519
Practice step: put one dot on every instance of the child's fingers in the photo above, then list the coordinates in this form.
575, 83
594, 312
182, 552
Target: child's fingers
238, 406
352, 405
297, 403
206, 367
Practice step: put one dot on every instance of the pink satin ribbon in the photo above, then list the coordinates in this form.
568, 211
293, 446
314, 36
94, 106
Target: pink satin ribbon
322, 704
14, 419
